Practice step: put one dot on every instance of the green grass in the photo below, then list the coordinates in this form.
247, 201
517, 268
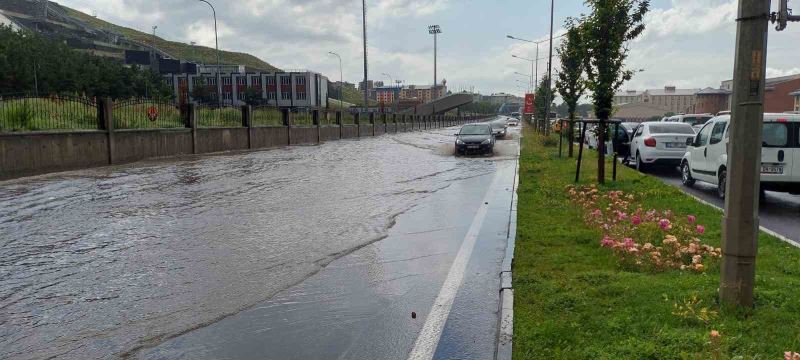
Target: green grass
267, 116
223, 117
197, 53
38, 114
572, 301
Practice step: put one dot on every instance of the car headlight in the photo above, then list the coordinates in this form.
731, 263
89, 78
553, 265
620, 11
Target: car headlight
486, 142
459, 142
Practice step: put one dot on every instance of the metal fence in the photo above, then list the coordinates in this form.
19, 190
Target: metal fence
348, 118
225, 116
149, 114
35, 113
327, 117
267, 116
302, 117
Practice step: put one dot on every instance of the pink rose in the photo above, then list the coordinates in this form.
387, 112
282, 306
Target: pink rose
691, 219
700, 229
636, 220
629, 243
665, 224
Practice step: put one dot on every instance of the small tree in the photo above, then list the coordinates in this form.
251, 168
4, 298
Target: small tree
252, 96
201, 93
571, 83
543, 94
608, 28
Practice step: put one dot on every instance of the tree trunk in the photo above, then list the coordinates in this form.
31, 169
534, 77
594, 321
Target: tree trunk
601, 152
571, 133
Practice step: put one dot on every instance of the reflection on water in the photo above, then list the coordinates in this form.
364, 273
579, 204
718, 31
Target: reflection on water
108, 260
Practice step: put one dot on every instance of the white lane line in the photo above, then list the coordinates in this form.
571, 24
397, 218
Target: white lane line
768, 231
428, 338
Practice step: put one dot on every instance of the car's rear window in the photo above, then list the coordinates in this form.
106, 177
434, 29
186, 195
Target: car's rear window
475, 130
775, 135
700, 120
671, 128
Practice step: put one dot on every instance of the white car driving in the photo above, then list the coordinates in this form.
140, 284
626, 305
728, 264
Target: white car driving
706, 157
659, 143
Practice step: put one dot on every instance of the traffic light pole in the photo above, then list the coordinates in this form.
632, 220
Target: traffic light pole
742, 177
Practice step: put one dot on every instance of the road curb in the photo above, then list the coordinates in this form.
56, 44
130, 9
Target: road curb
505, 333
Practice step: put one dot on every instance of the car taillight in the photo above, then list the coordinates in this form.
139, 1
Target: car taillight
650, 142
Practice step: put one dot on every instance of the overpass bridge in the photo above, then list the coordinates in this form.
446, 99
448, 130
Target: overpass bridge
441, 105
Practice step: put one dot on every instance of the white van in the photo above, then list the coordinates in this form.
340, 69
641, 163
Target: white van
695, 120
706, 157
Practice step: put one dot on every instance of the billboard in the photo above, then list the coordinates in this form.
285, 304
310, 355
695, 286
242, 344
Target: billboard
530, 108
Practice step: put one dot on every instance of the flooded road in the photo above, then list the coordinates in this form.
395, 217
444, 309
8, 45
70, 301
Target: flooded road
118, 261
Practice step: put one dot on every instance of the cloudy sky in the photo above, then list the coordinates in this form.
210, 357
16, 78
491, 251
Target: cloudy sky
688, 43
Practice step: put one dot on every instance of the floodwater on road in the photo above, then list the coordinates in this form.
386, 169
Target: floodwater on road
103, 262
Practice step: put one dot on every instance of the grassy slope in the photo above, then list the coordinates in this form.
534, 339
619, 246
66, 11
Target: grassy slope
197, 53
572, 301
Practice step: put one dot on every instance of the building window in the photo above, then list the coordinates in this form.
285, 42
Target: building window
271, 95
226, 81
301, 96
270, 81
285, 96
241, 95
285, 80
256, 81
211, 81
226, 96
301, 81
241, 80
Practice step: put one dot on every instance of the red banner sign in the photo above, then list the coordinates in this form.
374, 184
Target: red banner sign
530, 108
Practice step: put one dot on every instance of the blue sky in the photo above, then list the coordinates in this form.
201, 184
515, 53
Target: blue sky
688, 43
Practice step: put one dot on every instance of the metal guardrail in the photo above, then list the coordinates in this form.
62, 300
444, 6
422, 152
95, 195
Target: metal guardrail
20, 113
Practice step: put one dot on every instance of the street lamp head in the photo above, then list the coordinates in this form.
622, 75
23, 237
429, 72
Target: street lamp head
510, 37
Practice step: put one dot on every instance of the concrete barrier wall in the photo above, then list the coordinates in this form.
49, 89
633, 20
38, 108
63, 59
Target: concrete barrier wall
135, 145
304, 135
349, 131
210, 140
267, 137
365, 130
42, 152
37, 153
328, 133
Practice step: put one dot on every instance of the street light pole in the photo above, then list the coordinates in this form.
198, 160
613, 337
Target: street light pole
550, 76
366, 87
341, 79
435, 30
216, 46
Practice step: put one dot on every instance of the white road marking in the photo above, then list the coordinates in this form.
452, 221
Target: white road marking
768, 231
428, 338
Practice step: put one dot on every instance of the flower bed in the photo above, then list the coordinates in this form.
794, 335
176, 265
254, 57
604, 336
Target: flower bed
652, 240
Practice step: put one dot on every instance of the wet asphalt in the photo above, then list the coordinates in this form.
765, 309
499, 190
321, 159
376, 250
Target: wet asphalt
312, 252
778, 212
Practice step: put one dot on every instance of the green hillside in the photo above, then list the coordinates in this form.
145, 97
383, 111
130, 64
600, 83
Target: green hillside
197, 53
353, 96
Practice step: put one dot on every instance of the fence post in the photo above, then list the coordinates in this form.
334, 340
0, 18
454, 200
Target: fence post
106, 118
372, 122
315, 121
357, 120
287, 121
191, 123
339, 122
247, 122
385, 125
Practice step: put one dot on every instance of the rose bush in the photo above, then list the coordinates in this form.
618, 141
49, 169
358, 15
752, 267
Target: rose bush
653, 240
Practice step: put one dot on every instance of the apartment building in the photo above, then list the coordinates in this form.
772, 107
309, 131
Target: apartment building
284, 89
778, 92
670, 98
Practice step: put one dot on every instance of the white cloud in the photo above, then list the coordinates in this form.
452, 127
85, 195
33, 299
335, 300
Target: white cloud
687, 17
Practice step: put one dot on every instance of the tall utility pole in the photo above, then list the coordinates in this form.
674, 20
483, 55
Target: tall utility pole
743, 178
216, 45
435, 30
549, 75
366, 87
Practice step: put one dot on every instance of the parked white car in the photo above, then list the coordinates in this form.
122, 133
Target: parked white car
706, 157
659, 143
695, 120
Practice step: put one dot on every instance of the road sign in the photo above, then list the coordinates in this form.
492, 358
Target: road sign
530, 107
152, 113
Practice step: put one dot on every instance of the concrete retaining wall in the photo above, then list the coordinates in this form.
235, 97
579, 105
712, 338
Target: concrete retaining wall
267, 137
135, 145
42, 152
221, 139
304, 135
36, 153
